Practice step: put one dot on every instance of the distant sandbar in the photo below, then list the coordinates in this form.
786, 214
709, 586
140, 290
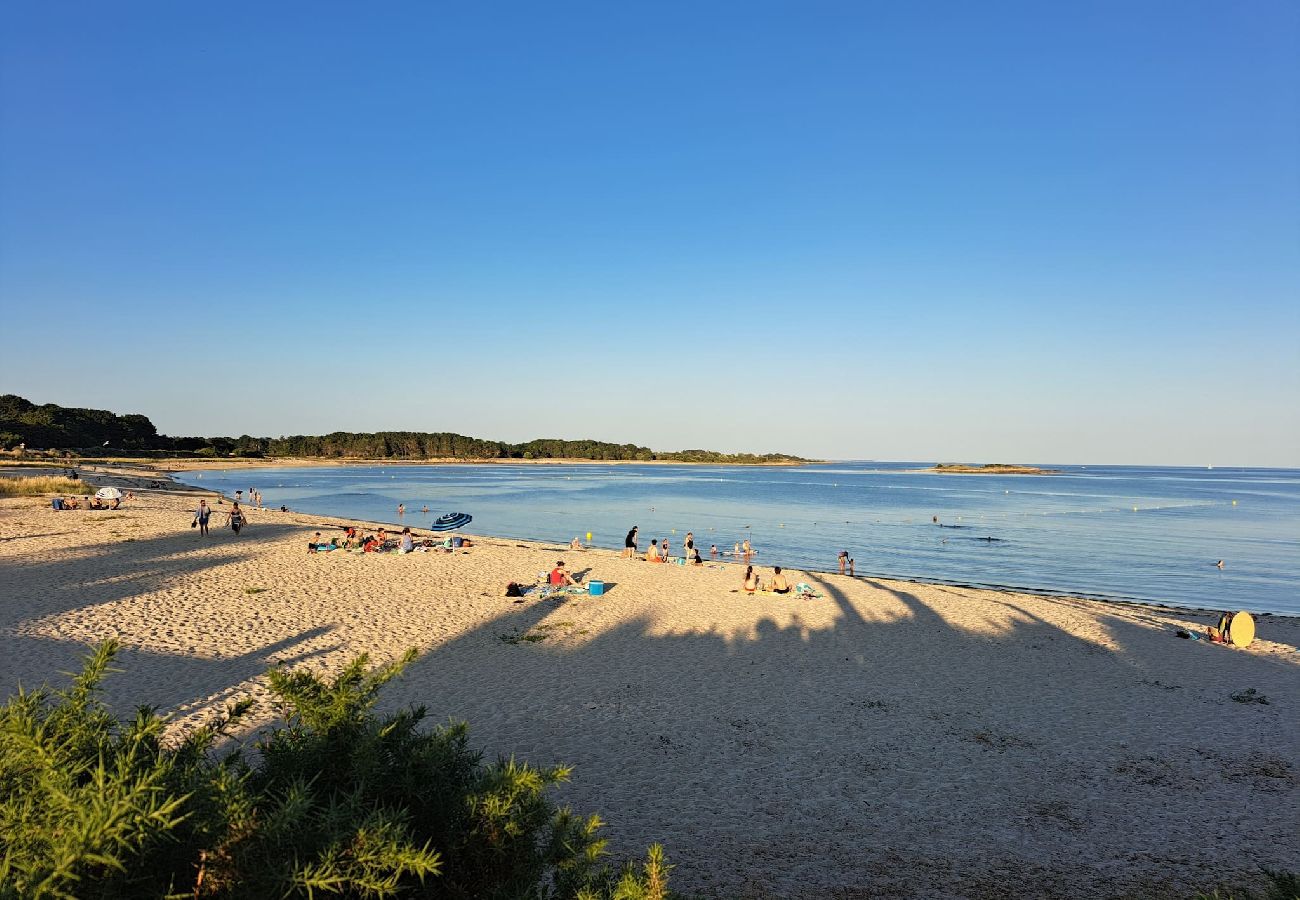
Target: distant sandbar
991, 469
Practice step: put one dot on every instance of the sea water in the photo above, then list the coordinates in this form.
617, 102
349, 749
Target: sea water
1122, 532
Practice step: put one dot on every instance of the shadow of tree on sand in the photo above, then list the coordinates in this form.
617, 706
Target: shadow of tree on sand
885, 752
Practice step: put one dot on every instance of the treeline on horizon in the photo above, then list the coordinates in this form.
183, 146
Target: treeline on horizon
53, 427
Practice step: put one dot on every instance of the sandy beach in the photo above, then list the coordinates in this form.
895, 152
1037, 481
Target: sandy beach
889, 739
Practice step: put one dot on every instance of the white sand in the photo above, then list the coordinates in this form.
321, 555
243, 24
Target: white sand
892, 739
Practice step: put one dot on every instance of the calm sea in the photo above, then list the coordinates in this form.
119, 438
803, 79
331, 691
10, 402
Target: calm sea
1107, 531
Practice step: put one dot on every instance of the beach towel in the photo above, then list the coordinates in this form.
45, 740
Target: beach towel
804, 589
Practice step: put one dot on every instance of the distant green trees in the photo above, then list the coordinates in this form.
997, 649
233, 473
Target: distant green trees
50, 425
337, 801
59, 428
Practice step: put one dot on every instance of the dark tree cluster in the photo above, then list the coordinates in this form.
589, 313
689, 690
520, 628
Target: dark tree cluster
52, 427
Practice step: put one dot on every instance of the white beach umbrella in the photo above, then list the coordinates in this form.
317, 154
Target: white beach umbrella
108, 494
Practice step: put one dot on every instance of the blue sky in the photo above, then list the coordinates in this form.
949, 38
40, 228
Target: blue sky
951, 231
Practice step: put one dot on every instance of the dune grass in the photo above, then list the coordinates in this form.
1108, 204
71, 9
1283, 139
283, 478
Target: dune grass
37, 485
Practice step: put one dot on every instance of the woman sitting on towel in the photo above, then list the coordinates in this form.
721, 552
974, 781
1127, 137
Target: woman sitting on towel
652, 555
751, 580
559, 577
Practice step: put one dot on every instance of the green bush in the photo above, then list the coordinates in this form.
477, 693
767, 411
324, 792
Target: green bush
336, 800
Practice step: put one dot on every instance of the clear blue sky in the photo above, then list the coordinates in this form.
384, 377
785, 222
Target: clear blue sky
954, 231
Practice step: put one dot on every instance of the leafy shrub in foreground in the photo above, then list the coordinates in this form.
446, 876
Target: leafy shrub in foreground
337, 801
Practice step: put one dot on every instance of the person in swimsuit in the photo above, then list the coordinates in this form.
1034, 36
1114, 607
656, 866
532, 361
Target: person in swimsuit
844, 559
750, 584
688, 548
652, 555
235, 517
779, 583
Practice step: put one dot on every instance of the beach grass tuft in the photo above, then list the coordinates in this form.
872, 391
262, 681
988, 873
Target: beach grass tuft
34, 487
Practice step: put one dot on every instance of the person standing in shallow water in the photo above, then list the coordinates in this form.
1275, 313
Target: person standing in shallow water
844, 559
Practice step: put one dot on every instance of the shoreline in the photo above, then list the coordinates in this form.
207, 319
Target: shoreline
178, 464
721, 724
138, 477
917, 580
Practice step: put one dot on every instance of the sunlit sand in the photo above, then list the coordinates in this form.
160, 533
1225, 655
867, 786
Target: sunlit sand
886, 739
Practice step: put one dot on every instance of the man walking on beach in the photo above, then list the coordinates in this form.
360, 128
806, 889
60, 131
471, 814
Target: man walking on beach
201, 516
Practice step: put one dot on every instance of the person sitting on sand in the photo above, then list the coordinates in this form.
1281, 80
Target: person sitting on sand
575, 544
695, 560
561, 578
779, 584
407, 543
382, 536
652, 555
750, 584
315, 544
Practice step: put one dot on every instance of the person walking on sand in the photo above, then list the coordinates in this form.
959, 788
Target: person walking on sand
235, 518
629, 543
201, 516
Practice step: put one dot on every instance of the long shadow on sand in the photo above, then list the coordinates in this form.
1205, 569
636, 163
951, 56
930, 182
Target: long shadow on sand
883, 751
891, 754
35, 591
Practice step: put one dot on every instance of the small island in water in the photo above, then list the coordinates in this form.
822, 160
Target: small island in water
991, 469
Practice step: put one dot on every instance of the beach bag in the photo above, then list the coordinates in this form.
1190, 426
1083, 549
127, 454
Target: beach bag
512, 590
194, 524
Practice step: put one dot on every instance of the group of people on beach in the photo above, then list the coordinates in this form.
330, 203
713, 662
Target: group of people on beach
236, 518
661, 551
254, 497
778, 584
358, 541
67, 503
